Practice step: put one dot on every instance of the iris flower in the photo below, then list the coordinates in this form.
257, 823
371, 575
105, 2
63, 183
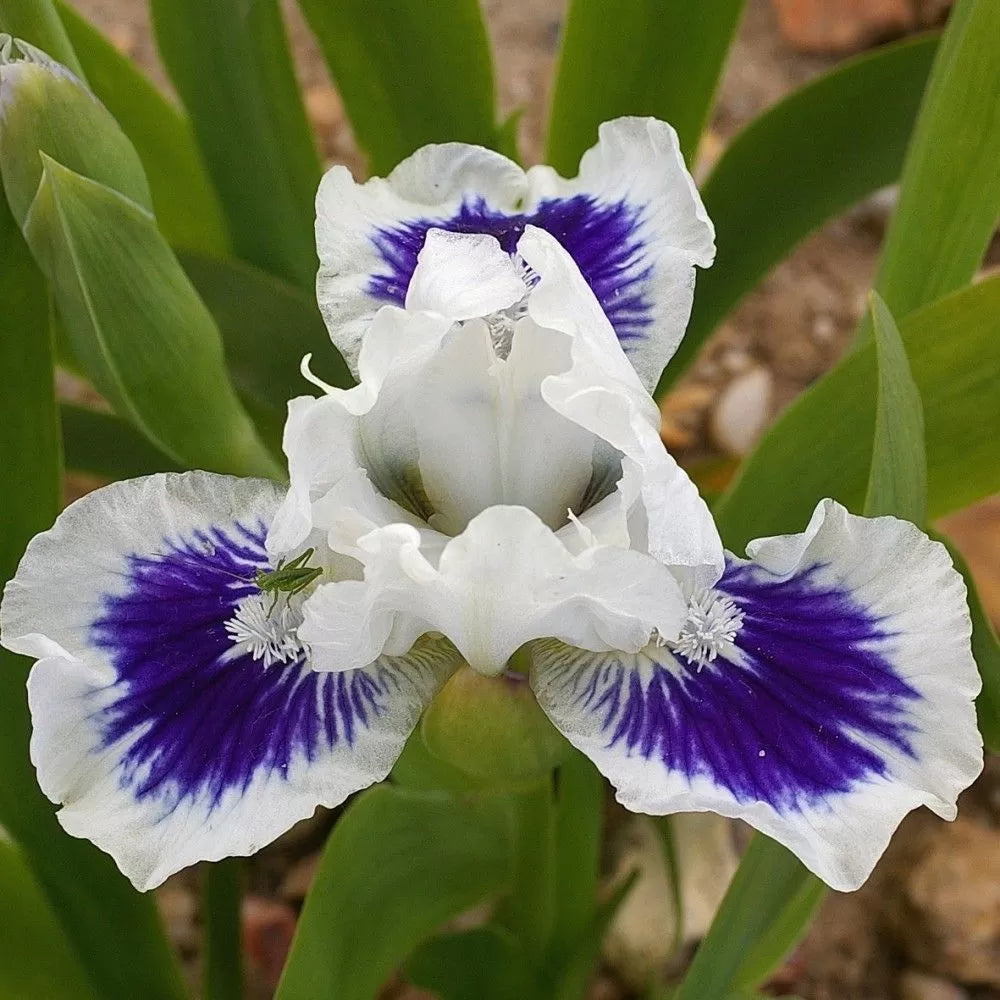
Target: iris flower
217, 657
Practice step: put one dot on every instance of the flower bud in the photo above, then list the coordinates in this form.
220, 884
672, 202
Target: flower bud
492, 728
44, 108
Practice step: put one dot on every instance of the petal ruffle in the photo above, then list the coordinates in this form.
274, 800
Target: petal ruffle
166, 740
843, 700
632, 220
505, 580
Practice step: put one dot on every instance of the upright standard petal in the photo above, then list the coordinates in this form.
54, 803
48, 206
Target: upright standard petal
176, 715
820, 692
632, 220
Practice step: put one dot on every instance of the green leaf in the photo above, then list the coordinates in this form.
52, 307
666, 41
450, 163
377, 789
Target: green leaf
36, 21
35, 958
44, 110
483, 964
230, 63
267, 327
985, 651
397, 866
87, 893
804, 161
187, 207
897, 481
949, 198
137, 326
764, 912
102, 445
222, 963
647, 57
821, 445
408, 76
579, 815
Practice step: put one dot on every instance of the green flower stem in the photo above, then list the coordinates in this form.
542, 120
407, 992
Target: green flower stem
222, 891
530, 909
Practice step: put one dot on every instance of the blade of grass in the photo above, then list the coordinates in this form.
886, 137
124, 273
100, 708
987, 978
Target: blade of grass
186, 205
949, 198
647, 57
823, 148
410, 76
230, 63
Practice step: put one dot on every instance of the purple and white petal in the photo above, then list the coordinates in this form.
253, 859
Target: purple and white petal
369, 235
176, 717
820, 692
632, 220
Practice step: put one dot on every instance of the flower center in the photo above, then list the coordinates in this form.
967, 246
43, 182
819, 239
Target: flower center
713, 622
266, 626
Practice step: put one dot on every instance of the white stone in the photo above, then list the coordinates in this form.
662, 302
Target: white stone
742, 412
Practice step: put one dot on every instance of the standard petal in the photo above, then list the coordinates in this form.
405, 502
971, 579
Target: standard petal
602, 393
842, 699
635, 225
505, 580
169, 723
632, 220
369, 236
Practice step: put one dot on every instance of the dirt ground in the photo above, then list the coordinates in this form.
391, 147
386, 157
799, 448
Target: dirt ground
927, 925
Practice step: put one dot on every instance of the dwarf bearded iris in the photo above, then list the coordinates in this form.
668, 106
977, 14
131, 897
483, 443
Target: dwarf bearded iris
218, 656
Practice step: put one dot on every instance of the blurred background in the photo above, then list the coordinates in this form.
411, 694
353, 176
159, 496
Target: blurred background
927, 925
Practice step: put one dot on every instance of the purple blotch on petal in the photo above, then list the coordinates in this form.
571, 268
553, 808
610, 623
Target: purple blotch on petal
602, 237
195, 717
811, 709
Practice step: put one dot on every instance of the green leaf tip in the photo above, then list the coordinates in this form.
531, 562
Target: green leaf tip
897, 479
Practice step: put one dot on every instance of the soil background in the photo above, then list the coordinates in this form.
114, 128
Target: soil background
927, 925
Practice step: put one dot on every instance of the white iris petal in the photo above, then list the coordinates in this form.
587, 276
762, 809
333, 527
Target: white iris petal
498, 471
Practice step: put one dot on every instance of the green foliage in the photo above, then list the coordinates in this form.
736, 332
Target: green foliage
765, 910
483, 964
136, 324
85, 890
949, 198
408, 76
821, 445
398, 864
647, 57
187, 208
36, 21
230, 63
267, 327
897, 480
36, 960
102, 445
222, 962
807, 159
46, 111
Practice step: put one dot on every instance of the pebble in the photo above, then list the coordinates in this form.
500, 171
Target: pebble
915, 985
841, 25
742, 411
948, 917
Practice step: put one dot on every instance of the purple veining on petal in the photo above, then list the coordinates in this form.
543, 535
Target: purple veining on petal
602, 237
194, 716
811, 710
